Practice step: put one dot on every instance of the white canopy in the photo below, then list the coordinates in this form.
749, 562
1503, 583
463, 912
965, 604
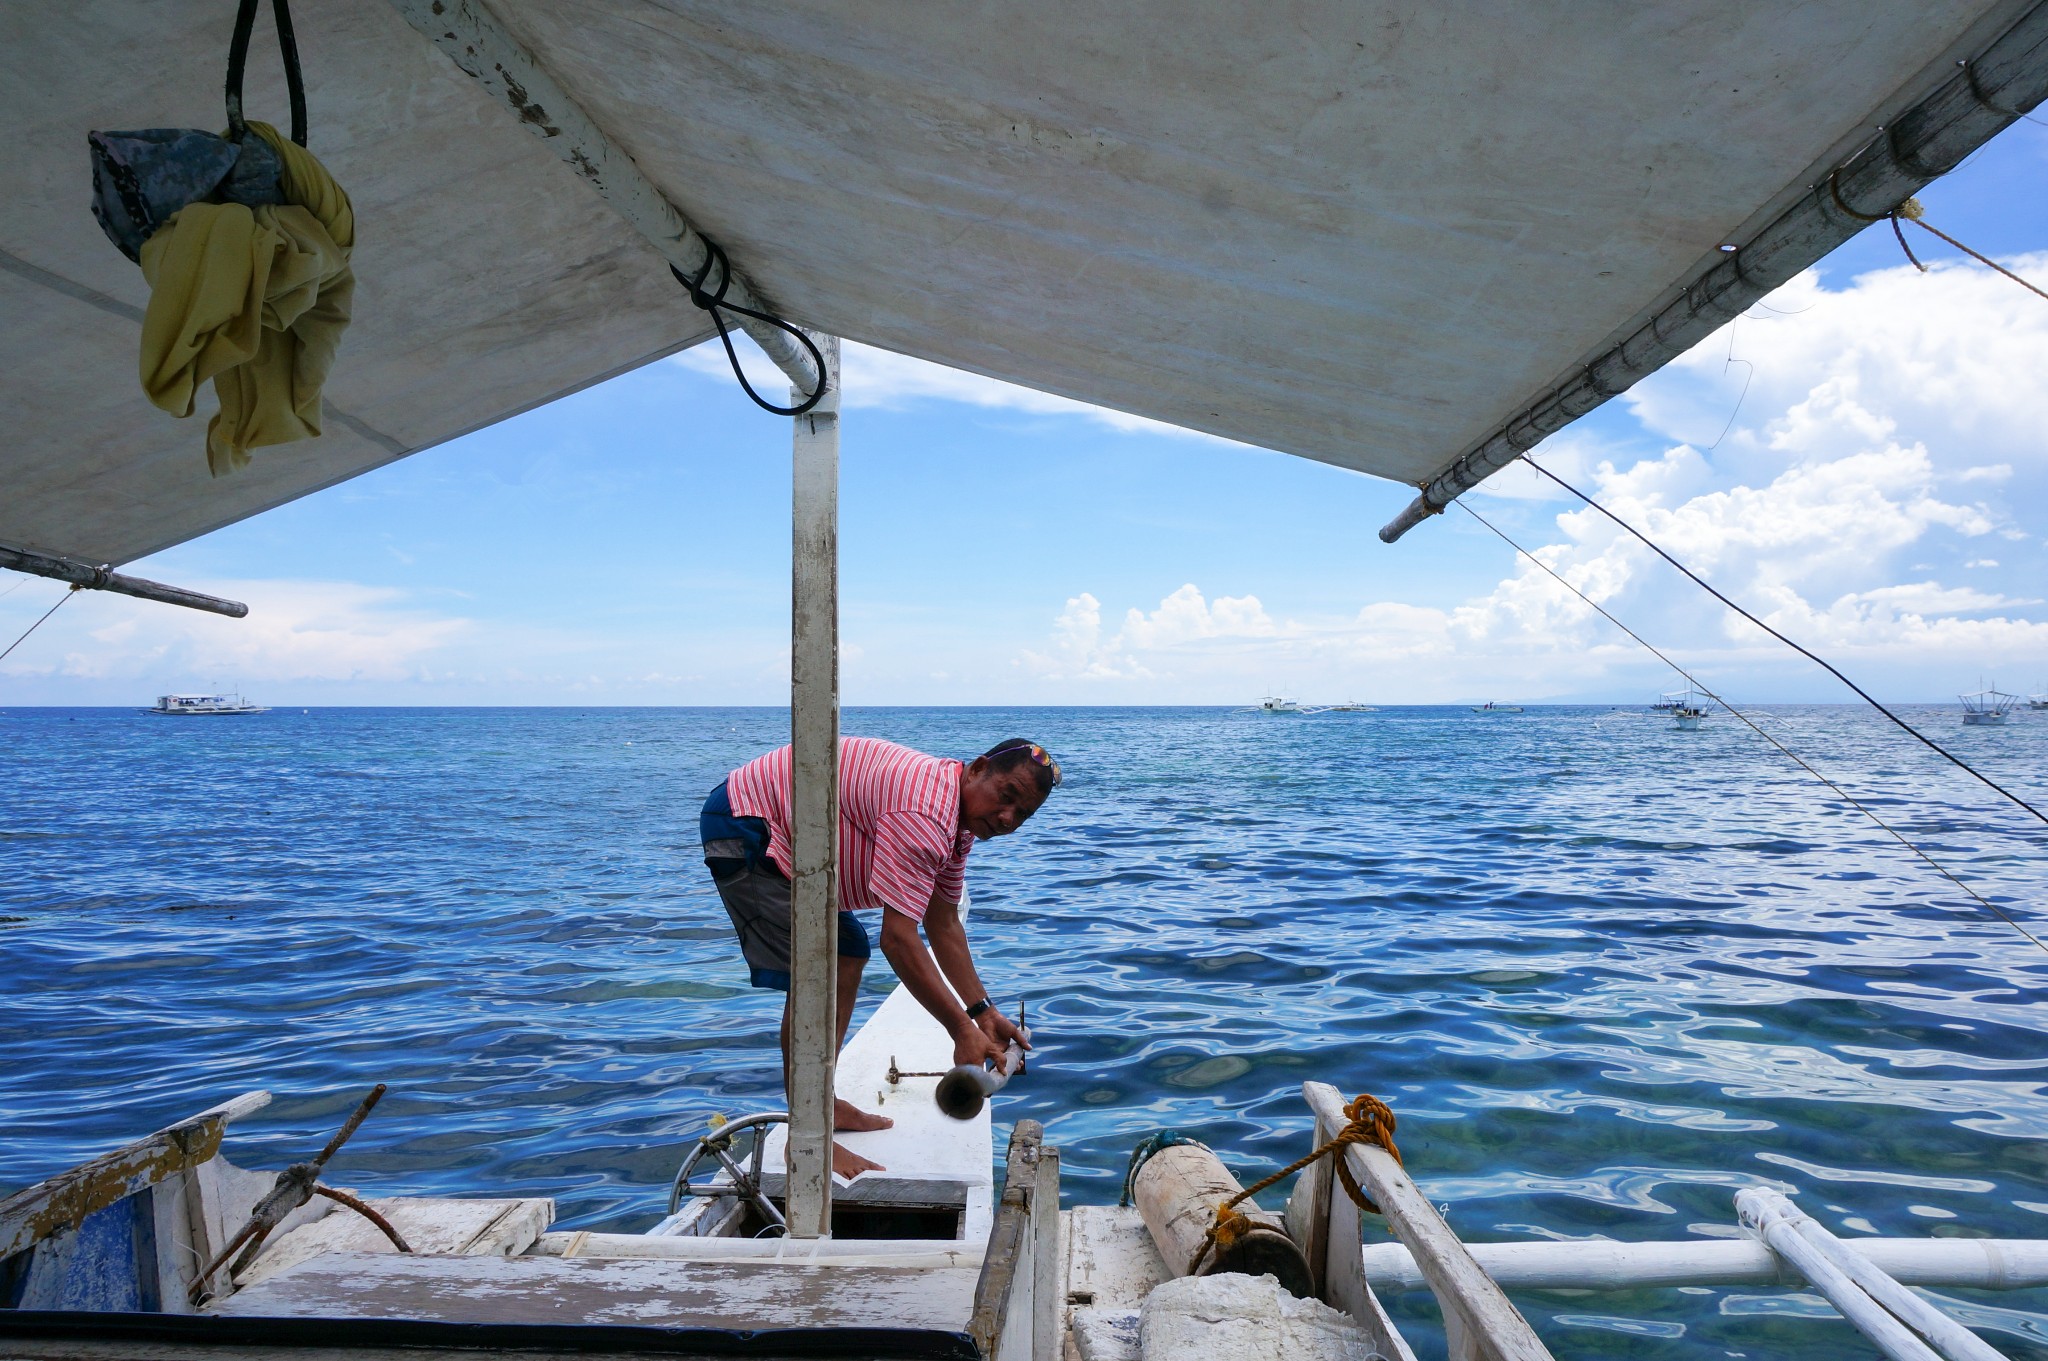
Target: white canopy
1366, 233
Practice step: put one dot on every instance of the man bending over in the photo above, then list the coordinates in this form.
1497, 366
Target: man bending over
906, 824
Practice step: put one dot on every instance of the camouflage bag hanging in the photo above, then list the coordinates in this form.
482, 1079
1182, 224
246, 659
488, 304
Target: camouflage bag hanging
141, 178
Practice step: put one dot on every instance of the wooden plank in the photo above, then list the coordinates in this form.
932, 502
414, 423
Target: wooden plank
1342, 1275
814, 811
1008, 1241
432, 1225
1046, 1270
62, 1202
615, 1290
1112, 1263
822, 1252
1460, 1285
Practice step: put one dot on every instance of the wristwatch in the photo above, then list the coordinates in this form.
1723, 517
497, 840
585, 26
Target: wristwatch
975, 1011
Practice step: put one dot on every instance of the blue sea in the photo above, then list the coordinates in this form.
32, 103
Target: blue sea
1607, 973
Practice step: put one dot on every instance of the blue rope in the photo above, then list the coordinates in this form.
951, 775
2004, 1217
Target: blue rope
1149, 1145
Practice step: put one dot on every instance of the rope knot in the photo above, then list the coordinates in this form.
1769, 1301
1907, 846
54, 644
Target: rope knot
1370, 1121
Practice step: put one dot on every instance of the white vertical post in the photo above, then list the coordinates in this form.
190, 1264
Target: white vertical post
814, 835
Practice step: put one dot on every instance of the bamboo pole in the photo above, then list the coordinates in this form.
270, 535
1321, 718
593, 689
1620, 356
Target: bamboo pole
1963, 1263
814, 833
90, 578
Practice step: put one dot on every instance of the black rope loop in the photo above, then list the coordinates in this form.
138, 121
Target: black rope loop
238, 61
1977, 93
1835, 189
714, 301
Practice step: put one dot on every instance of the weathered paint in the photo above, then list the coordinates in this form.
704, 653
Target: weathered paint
931, 1160
599, 1290
434, 1225
814, 805
62, 1203
1479, 1319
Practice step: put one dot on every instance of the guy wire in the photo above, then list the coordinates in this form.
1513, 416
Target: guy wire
1847, 797
39, 623
1817, 660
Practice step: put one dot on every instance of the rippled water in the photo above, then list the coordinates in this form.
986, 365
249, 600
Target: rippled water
1606, 973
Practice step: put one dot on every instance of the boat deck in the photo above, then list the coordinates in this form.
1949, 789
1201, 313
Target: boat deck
586, 1290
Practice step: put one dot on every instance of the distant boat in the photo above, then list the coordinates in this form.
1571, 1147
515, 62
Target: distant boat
1274, 704
1351, 707
2038, 700
1494, 706
203, 705
1989, 706
1685, 708
1670, 700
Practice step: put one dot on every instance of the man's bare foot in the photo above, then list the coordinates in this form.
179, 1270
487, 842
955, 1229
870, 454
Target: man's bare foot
848, 1164
850, 1120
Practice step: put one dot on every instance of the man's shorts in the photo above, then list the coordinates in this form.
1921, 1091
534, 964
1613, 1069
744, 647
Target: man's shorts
756, 893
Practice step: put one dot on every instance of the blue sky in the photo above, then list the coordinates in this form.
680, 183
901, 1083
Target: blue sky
1861, 460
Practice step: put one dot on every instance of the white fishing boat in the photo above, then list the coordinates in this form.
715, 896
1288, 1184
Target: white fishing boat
1688, 709
1494, 706
1277, 704
1252, 239
1987, 708
203, 706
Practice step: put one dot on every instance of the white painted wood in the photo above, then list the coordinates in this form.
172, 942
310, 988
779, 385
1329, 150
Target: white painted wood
1771, 1214
432, 1225
237, 1107
1949, 1337
1341, 1275
821, 1252
1871, 1319
470, 34
177, 1262
1595, 1264
929, 1158
1458, 1282
1047, 1269
611, 1290
814, 812
1307, 1216
1112, 1263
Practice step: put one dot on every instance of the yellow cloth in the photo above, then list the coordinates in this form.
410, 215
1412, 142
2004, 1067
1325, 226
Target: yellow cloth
255, 299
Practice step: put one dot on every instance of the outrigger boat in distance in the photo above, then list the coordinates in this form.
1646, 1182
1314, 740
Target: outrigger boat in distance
187, 706
1494, 706
1687, 712
1275, 704
1989, 707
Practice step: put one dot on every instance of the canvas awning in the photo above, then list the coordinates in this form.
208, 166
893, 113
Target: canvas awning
1370, 234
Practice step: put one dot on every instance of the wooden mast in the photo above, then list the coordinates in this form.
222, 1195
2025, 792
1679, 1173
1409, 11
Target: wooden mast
814, 839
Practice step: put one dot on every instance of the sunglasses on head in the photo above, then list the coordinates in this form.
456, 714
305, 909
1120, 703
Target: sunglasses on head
1039, 756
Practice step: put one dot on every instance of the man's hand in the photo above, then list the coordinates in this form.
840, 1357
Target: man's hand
974, 1046
1001, 1028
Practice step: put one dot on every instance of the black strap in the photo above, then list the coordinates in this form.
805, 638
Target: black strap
713, 301
238, 60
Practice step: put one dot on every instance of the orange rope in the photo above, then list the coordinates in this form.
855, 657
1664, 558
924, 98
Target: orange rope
1371, 1121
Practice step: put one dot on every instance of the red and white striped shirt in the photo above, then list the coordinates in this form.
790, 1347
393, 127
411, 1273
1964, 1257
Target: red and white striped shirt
900, 838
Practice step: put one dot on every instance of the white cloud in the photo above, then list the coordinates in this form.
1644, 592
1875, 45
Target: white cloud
1889, 423
882, 379
295, 631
